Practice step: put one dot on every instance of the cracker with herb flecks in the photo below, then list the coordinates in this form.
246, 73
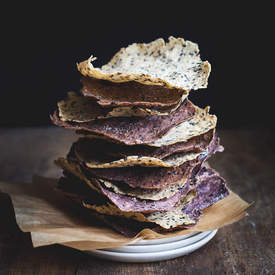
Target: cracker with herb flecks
173, 64
77, 108
132, 130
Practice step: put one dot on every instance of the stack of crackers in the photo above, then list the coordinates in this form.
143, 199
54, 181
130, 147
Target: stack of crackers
140, 159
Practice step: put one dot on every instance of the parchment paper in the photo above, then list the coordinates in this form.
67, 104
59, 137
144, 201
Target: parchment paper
53, 219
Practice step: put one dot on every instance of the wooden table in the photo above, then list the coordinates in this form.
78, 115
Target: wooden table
246, 247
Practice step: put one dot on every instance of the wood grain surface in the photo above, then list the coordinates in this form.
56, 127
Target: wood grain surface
246, 247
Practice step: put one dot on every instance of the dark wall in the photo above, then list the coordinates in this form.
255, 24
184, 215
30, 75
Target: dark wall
40, 48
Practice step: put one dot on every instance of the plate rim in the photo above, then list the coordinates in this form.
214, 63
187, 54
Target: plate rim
160, 247
165, 240
153, 256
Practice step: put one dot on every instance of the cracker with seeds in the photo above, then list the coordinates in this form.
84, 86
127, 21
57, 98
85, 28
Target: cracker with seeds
173, 64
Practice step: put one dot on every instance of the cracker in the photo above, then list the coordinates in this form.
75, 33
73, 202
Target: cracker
201, 123
170, 161
136, 130
82, 109
153, 177
110, 94
125, 203
132, 204
173, 64
210, 189
146, 194
75, 170
97, 148
166, 220
143, 177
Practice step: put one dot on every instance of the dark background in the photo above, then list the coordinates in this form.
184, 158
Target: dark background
41, 45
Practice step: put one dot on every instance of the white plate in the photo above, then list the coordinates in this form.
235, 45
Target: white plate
164, 240
152, 257
159, 247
